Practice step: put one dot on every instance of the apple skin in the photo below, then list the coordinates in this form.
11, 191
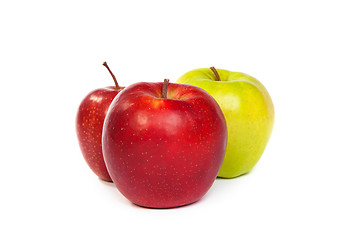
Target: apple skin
164, 152
89, 124
249, 114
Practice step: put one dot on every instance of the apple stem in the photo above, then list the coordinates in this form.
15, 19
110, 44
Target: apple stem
216, 73
164, 88
113, 76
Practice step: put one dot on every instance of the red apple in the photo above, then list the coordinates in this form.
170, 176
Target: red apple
163, 143
89, 124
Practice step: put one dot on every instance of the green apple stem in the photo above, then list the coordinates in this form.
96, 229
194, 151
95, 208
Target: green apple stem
216, 73
164, 88
113, 76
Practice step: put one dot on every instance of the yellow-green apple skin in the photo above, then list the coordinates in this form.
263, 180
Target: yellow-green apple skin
248, 111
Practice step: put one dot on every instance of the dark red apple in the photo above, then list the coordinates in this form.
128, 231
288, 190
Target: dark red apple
163, 143
89, 124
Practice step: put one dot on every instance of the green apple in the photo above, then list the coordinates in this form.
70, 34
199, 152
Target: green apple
249, 115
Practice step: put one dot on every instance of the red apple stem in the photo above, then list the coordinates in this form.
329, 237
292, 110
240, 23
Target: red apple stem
216, 73
164, 88
113, 76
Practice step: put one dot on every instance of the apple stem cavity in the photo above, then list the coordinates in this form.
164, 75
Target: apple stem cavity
113, 76
164, 88
216, 73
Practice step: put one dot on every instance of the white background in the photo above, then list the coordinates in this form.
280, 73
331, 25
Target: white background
306, 53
